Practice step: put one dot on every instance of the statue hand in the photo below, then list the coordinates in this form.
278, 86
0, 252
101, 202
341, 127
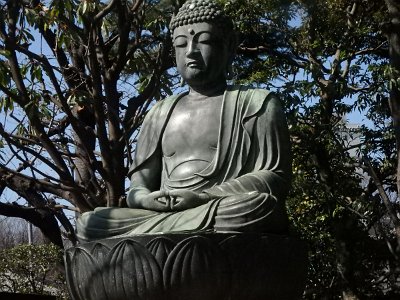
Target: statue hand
157, 201
185, 199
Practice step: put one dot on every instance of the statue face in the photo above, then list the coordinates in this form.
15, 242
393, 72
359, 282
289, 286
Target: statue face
202, 55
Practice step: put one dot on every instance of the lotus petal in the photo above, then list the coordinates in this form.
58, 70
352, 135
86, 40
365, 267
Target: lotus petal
83, 275
197, 269
132, 273
161, 247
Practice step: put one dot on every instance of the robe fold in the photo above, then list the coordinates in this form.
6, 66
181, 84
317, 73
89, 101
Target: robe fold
247, 181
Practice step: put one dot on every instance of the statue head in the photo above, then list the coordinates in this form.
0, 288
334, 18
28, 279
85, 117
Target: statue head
197, 11
204, 42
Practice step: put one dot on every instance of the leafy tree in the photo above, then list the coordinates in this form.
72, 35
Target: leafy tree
328, 59
14, 232
37, 275
392, 31
71, 115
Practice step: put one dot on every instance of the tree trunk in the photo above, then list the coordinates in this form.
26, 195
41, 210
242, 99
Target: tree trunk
42, 218
344, 236
83, 175
393, 35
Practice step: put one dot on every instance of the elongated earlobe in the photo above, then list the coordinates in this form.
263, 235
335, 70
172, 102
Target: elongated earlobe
230, 73
231, 48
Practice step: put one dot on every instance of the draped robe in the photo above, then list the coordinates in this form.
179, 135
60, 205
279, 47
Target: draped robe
247, 181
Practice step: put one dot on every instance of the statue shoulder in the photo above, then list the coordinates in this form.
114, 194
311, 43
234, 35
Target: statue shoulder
253, 94
160, 111
164, 105
255, 99
262, 95
267, 98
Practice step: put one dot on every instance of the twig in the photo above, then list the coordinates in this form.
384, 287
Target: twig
386, 201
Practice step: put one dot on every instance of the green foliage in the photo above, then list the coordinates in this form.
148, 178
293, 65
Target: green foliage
325, 59
32, 269
76, 79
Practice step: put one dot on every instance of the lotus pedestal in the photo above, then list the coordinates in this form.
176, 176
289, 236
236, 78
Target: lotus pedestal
189, 267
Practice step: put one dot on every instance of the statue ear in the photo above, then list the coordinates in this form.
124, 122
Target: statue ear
229, 72
232, 46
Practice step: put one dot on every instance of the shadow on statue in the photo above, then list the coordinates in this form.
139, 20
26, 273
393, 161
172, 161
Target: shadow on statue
212, 266
212, 168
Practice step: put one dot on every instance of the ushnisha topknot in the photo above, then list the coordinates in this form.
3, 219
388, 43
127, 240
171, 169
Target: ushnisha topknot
197, 11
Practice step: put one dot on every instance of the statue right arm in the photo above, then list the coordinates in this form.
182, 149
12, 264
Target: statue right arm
145, 191
146, 169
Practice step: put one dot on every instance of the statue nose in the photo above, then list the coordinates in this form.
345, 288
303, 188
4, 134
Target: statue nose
192, 49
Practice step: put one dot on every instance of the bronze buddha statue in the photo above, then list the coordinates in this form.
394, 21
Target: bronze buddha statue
214, 158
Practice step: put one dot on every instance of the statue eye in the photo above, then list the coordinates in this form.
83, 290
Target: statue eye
180, 42
206, 38
206, 41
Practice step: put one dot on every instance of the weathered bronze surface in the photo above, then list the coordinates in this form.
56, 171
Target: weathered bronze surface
206, 216
212, 266
216, 157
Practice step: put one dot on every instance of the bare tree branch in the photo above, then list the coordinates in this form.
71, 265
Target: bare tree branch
42, 218
106, 10
389, 207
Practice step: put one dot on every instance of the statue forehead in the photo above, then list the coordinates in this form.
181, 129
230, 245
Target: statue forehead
193, 29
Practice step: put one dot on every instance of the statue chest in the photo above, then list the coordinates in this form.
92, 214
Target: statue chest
190, 138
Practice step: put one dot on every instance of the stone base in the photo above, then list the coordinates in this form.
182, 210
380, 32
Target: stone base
189, 267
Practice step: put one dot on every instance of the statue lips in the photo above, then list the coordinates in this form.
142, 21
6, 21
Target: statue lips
194, 64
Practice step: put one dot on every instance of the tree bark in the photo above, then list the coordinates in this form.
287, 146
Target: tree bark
393, 35
42, 218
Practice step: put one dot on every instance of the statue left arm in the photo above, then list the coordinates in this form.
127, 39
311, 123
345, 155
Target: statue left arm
269, 160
